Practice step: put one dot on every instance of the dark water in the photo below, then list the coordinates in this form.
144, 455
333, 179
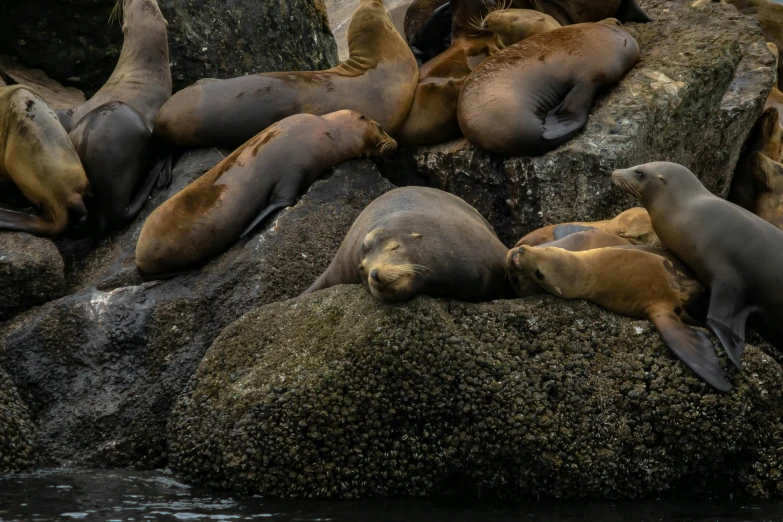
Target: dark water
141, 496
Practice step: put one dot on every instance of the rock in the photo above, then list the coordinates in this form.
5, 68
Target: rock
74, 44
692, 99
32, 272
338, 395
55, 94
101, 369
17, 434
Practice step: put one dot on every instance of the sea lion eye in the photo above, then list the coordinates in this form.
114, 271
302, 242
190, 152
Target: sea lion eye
639, 174
395, 247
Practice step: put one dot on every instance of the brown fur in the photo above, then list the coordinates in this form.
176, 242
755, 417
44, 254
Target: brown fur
768, 176
37, 156
269, 171
378, 80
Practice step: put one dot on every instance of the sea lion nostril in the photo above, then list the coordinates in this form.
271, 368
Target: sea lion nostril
374, 275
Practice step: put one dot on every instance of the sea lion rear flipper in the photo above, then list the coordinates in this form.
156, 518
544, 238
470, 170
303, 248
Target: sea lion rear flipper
562, 231
727, 317
23, 222
571, 115
692, 347
166, 174
631, 11
140, 198
264, 214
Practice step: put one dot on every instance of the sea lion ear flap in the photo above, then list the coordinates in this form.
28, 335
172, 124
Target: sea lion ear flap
662, 178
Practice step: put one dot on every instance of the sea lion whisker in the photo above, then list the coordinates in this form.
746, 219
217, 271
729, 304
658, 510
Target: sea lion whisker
116, 13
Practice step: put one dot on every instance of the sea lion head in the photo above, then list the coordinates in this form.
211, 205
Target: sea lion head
137, 13
521, 282
374, 139
556, 270
388, 263
514, 25
646, 182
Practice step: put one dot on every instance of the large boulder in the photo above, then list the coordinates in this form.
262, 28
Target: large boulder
73, 42
32, 272
17, 433
692, 99
102, 368
339, 395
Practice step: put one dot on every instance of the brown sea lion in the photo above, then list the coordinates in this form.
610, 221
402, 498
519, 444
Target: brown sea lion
768, 176
775, 98
765, 137
417, 240
571, 237
633, 225
537, 94
113, 129
639, 282
377, 80
733, 252
39, 159
267, 173
433, 115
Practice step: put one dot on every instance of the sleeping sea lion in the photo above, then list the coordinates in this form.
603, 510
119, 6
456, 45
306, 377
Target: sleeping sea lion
417, 240
768, 175
377, 80
638, 282
112, 130
537, 94
433, 115
633, 225
568, 12
571, 237
267, 173
733, 252
39, 159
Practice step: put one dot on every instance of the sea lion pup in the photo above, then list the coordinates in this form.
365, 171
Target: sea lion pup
637, 282
633, 225
733, 252
537, 94
113, 129
37, 156
267, 173
416, 240
568, 12
572, 237
433, 115
765, 137
768, 175
377, 80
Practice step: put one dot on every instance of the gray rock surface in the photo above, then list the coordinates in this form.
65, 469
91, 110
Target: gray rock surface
17, 433
32, 272
72, 42
339, 395
692, 99
101, 368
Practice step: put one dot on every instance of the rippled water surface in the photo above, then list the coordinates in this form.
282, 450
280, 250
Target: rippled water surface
140, 496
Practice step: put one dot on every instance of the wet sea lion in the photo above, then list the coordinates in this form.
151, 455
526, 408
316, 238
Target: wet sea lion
433, 115
377, 80
113, 129
571, 237
733, 252
765, 137
267, 173
638, 282
427, 28
537, 94
768, 175
39, 159
417, 240
633, 225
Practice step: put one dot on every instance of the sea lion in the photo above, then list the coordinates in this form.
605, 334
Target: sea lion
568, 12
639, 282
768, 175
537, 94
433, 115
112, 130
775, 98
571, 237
39, 159
417, 240
267, 173
427, 28
377, 80
633, 225
765, 137
733, 252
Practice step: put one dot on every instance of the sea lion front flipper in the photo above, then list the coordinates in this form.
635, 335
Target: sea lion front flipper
15, 221
631, 11
562, 231
692, 347
264, 213
727, 317
571, 115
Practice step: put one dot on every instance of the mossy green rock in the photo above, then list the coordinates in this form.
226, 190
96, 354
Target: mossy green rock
339, 395
17, 434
